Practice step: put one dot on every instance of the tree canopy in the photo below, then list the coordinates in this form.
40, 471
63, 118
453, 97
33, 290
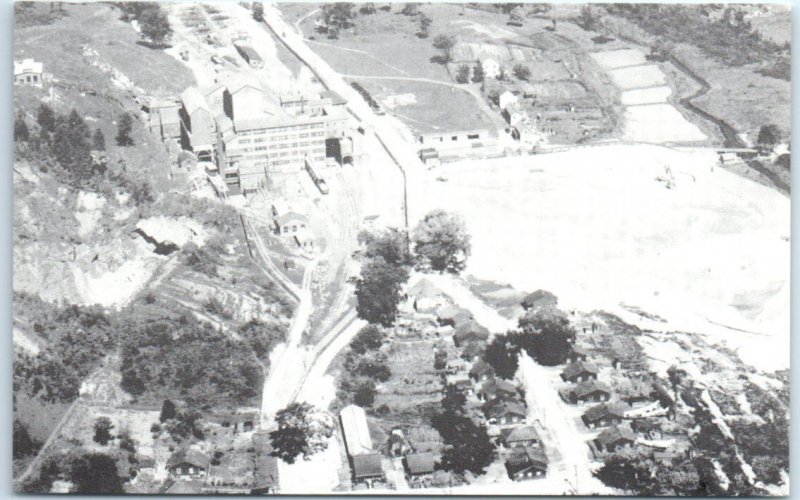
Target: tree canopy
502, 354
124, 129
378, 291
301, 432
155, 26
547, 336
441, 242
95, 473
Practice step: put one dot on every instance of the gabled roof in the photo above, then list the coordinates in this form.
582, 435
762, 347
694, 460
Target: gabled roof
614, 434
471, 329
453, 313
498, 385
539, 298
602, 410
420, 463
193, 100
576, 349
424, 288
27, 66
527, 455
589, 387
355, 430
241, 83
521, 433
481, 368
290, 216
190, 456
367, 465
498, 408
574, 369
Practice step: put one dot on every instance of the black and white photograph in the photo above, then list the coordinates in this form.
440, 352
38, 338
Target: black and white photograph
376, 248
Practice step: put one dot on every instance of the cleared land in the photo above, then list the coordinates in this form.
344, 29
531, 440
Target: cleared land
659, 123
712, 250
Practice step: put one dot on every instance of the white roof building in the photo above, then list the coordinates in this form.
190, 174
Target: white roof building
355, 430
28, 72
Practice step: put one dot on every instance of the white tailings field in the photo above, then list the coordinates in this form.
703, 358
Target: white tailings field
659, 124
596, 227
652, 95
613, 59
636, 77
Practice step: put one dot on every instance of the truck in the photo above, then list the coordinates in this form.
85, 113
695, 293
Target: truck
318, 181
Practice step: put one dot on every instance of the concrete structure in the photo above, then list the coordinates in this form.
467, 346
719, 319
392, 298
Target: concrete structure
28, 72
451, 141
355, 431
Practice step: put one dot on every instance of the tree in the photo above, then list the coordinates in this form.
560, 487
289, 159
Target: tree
102, 430
462, 75
258, 11
424, 26
588, 19
23, 444
453, 401
168, 411
365, 392
521, 72
478, 74
378, 291
184, 425
46, 118
367, 9
124, 128
301, 431
502, 354
155, 26
469, 446
338, 15
389, 244
628, 472
21, 133
445, 43
98, 140
410, 9
769, 135
95, 473
71, 145
441, 242
368, 338
547, 336
127, 443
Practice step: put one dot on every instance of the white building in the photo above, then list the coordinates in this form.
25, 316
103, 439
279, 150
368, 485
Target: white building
28, 72
355, 430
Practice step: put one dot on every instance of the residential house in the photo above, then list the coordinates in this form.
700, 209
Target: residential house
266, 476
188, 463
526, 134
580, 371
577, 353
469, 331
419, 464
526, 463
603, 415
523, 435
473, 351
639, 393
367, 468
304, 240
461, 381
540, 299
481, 371
590, 391
498, 388
164, 119
515, 116
505, 412
290, 223
452, 315
426, 296
456, 365
647, 428
615, 438
28, 72
355, 430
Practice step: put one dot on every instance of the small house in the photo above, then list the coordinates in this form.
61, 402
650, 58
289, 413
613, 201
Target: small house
590, 391
188, 463
481, 371
290, 223
505, 412
456, 365
576, 354
461, 381
430, 157
526, 463
469, 331
425, 296
615, 438
419, 464
452, 315
580, 371
647, 428
28, 72
540, 299
498, 388
524, 436
602, 415
514, 115
367, 468
473, 351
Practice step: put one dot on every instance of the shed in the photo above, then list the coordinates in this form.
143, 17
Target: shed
418, 464
367, 467
355, 430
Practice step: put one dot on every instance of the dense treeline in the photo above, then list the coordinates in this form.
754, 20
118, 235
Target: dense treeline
188, 360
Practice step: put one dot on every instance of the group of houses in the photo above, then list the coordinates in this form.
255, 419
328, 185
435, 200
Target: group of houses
244, 134
243, 469
522, 126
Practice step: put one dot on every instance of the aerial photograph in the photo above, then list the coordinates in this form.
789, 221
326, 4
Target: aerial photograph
401, 248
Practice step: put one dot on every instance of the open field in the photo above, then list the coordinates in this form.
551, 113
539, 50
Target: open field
659, 123
710, 254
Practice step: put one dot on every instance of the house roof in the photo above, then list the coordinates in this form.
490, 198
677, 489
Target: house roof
521, 433
481, 368
27, 66
495, 385
453, 313
193, 100
539, 298
473, 348
602, 410
190, 456
589, 387
242, 82
527, 455
471, 329
184, 488
424, 288
355, 430
420, 463
614, 434
289, 217
499, 408
572, 370
367, 465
